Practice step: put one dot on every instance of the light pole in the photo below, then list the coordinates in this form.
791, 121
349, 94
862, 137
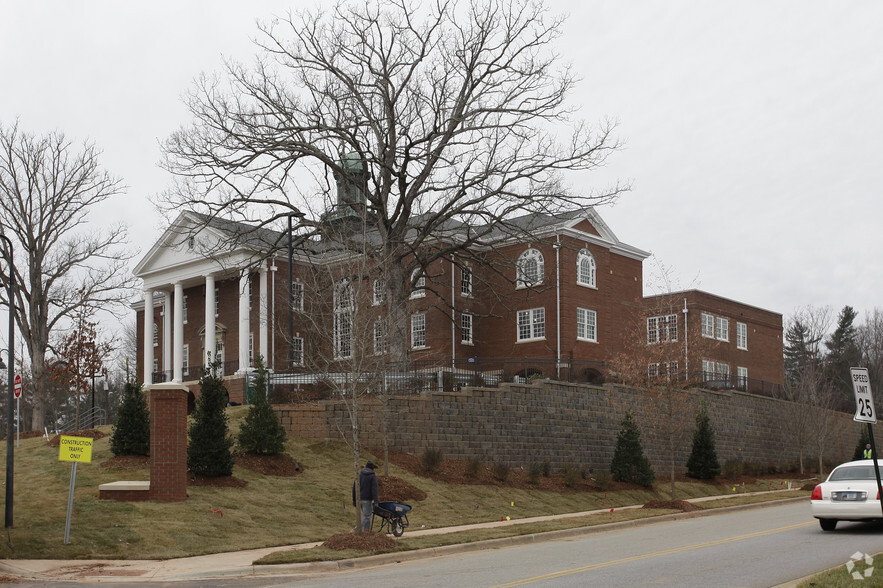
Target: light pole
10, 447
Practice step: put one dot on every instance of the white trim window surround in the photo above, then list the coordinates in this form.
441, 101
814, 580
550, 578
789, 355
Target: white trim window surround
586, 269
721, 328
466, 328
184, 309
381, 344
185, 358
418, 278
465, 282
586, 325
662, 329
532, 324
343, 316
297, 296
707, 325
297, 350
741, 336
418, 331
667, 368
155, 335
379, 291
530, 269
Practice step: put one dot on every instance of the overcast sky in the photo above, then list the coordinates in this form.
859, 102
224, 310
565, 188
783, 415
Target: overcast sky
753, 129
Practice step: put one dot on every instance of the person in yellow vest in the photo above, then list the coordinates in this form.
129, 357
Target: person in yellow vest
867, 452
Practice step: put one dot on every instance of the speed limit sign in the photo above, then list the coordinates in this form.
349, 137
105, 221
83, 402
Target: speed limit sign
16, 388
864, 402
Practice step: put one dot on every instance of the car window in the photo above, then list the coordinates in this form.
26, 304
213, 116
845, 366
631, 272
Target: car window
853, 473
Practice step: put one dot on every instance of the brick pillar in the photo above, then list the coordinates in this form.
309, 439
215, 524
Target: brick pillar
168, 442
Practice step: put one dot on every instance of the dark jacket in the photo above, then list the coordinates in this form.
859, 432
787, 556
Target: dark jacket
367, 486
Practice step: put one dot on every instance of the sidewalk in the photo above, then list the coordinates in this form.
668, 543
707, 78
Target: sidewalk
240, 563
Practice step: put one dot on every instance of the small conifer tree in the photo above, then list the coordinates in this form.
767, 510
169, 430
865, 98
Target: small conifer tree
209, 449
131, 433
629, 463
703, 463
261, 432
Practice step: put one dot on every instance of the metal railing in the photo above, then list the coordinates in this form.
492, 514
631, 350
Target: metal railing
89, 419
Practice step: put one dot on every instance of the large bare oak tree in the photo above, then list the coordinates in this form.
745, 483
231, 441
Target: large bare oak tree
439, 121
48, 187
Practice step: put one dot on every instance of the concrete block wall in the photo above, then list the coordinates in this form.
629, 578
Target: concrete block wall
571, 424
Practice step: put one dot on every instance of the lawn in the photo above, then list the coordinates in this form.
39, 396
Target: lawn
267, 511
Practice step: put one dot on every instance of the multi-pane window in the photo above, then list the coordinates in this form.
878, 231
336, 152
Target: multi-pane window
662, 328
722, 329
466, 282
669, 369
586, 271
530, 268
217, 302
466, 328
418, 278
251, 349
723, 371
741, 336
184, 309
586, 325
707, 369
155, 335
297, 296
418, 330
381, 344
531, 324
297, 350
185, 359
742, 377
707, 325
343, 316
155, 366
379, 288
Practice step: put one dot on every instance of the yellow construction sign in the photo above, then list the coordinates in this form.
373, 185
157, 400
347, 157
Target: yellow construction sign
76, 449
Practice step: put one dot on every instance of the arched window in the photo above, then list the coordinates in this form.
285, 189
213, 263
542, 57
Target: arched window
418, 278
531, 268
586, 271
343, 317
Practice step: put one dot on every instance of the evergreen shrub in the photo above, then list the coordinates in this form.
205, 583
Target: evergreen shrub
261, 432
209, 449
629, 463
131, 433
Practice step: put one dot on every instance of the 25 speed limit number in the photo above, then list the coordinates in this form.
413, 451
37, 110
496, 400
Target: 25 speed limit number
864, 402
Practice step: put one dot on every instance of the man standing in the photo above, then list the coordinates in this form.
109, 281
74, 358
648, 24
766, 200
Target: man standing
867, 453
368, 494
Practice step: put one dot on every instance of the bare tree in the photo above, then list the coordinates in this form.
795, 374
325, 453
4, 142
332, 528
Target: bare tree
437, 123
805, 383
47, 188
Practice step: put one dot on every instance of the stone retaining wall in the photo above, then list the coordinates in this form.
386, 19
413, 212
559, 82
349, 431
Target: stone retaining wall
574, 424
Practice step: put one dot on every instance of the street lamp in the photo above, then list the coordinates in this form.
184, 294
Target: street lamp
291, 291
10, 447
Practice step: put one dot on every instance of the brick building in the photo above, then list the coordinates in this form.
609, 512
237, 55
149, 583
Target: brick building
553, 302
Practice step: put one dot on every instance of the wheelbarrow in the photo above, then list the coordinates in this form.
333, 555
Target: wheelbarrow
393, 517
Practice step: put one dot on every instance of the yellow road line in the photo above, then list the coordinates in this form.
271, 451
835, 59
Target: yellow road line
649, 555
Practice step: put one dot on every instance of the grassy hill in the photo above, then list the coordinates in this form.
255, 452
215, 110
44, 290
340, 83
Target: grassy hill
266, 511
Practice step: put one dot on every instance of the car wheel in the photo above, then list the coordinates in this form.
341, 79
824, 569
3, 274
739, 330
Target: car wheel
828, 524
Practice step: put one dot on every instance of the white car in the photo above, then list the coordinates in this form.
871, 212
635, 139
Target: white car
849, 494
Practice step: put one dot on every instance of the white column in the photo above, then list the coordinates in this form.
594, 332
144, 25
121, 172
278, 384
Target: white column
264, 320
167, 331
178, 355
210, 328
244, 323
148, 337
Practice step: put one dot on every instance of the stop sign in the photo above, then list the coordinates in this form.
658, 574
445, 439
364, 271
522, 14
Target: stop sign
16, 388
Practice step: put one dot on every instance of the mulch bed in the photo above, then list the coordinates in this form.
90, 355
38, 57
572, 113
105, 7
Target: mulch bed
367, 541
281, 464
391, 488
682, 505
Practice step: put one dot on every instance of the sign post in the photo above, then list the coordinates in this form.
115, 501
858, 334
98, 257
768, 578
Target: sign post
865, 413
75, 450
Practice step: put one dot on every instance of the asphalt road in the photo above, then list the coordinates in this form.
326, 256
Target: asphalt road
756, 547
